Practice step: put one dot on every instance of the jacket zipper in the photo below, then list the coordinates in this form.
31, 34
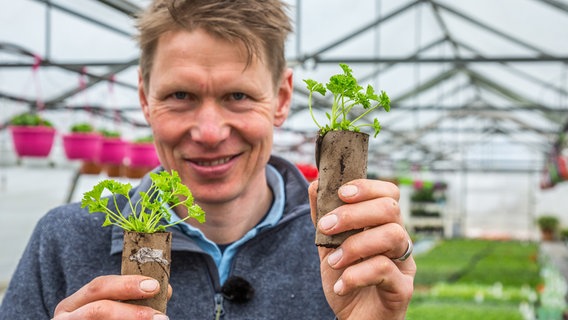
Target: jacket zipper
219, 310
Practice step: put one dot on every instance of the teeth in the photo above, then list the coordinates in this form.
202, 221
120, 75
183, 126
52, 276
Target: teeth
214, 162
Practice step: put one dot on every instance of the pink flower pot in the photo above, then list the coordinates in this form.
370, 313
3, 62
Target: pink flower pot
32, 141
142, 155
113, 151
82, 146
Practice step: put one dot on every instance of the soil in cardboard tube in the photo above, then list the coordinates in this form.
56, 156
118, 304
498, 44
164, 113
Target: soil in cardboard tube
149, 255
341, 156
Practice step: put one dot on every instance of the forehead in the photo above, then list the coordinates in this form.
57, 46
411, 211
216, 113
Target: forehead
199, 42
200, 53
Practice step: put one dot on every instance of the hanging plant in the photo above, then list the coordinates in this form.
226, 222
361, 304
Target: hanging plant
141, 157
113, 152
82, 143
32, 135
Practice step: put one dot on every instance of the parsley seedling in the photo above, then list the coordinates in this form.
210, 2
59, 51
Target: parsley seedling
166, 189
347, 94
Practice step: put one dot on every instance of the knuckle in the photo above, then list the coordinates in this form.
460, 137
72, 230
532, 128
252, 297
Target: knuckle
395, 232
346, 219
390, 207
391, 189
349, 279
95, 286
94, 312
143, 313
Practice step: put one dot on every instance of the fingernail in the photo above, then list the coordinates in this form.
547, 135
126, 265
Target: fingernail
149, 285
335, 257
338, 287
348, 190
160, 317
327, 222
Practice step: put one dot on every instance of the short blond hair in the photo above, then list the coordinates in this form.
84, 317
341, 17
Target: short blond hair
262, 26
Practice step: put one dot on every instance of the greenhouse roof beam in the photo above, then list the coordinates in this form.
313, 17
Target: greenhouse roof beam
437, 60
366, 27
123, 6
86, 18
490, 29
93, 79
556, 4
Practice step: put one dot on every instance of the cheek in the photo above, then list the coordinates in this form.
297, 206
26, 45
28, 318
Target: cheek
257, 131
168, 129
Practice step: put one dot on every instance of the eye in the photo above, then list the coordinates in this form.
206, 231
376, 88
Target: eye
238, 96
180, 95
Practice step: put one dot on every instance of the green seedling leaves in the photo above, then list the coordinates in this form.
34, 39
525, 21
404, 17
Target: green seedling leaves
166, 190
347, 94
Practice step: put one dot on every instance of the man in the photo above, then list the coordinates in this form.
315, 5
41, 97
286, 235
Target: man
213, 85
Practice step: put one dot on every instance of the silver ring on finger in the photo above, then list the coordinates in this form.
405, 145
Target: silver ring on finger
408, 252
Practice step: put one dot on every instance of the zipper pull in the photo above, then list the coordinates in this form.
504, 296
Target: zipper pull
219, 310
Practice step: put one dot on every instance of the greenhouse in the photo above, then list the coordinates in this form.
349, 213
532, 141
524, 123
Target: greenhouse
475, 138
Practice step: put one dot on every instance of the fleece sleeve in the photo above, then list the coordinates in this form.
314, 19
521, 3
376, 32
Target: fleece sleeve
25, 296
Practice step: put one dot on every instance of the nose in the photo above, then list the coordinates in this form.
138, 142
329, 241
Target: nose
210, 126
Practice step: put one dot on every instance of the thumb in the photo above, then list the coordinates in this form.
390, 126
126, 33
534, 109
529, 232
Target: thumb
329, 275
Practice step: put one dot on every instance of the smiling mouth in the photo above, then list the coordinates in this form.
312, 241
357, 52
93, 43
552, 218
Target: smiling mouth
212, 163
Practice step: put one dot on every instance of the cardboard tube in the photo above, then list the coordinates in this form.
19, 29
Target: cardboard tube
149, 254
341, 157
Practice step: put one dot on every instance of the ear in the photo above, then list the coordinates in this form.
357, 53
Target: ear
284, 97
142, 97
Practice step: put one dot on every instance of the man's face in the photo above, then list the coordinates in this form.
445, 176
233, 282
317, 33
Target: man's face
212, 118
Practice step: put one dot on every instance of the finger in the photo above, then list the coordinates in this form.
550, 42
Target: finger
390, 240
365, 214
378, 271
110, 310
111, 287
313, 196
366, 189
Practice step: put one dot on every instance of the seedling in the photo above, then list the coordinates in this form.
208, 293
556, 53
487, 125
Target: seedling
146, 213
147, 247
342, 147
347, 94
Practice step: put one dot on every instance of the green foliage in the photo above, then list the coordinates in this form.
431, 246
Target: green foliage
548, 222
423, 195
464, 261
564, 234
347, 94
166, 189
475, 279
462, 311
30, 119
82, 127
110, 133
146, 139
421, 212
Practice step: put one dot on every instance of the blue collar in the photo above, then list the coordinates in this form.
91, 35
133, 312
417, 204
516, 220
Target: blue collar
224, 260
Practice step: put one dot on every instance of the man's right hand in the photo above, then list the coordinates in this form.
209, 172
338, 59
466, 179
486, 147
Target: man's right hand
100, 299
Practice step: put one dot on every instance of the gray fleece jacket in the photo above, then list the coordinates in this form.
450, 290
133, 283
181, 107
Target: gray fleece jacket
69, 248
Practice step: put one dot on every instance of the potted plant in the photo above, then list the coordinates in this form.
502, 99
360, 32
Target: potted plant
147, 244
341, 147
113, 151
423, 194
564, 235
32, 135
83, 142
141, 157
548, 225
